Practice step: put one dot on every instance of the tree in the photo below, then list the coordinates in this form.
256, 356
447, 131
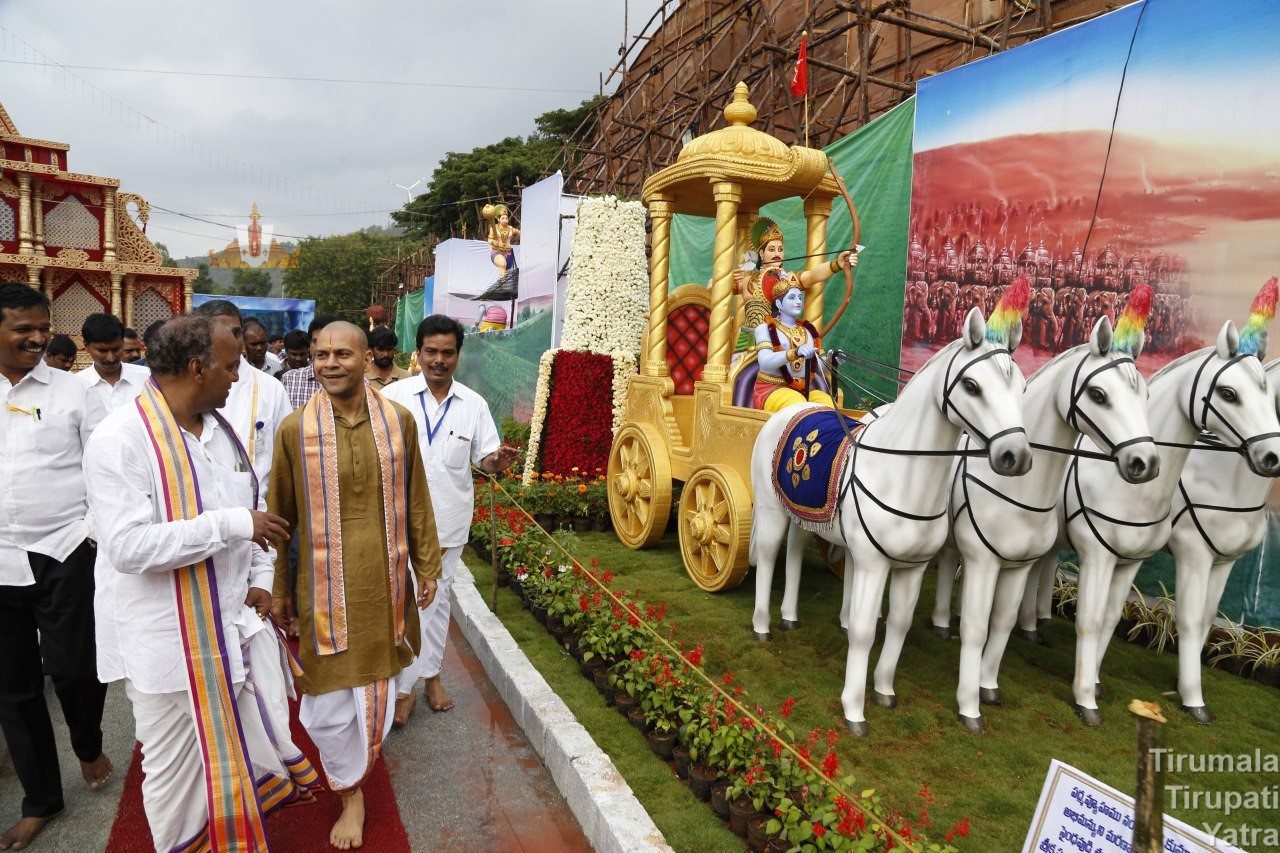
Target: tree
250, 282
166, 259
479, 173
338, 272
203, 283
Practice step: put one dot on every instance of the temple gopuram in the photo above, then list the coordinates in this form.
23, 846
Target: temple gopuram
74, 237
253, 248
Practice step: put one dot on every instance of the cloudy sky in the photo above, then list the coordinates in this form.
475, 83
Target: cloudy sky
317, 157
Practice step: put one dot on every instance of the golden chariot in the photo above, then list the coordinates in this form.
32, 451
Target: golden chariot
687, 418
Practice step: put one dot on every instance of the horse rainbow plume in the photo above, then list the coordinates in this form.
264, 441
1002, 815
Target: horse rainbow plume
1261, 313
1008, 311
1133, 320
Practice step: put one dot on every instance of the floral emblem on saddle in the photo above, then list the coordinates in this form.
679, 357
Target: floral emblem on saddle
808, 465
803, 449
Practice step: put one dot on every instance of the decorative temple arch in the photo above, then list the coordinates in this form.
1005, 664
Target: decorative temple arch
150, 305
73, 237
74, 299
71, 225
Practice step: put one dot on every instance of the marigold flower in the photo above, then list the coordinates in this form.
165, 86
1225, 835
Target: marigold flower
582, 489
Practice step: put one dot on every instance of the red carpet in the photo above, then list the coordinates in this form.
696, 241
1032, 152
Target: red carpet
300, 829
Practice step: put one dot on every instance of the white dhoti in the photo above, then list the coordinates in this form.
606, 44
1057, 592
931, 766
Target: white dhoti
348, 727
174, 785
435, 625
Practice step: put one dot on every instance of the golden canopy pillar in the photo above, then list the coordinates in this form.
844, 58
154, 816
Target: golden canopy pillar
677, 424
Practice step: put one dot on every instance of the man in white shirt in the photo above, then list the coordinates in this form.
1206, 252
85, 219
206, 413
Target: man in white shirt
455, 430
111, 380
46, 565
183, 586
132, 351
257, 403
255, 347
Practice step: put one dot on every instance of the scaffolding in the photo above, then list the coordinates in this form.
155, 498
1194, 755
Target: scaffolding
864, 58
402, 275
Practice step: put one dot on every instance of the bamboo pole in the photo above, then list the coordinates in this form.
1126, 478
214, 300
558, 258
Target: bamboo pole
1148, 811
493, 540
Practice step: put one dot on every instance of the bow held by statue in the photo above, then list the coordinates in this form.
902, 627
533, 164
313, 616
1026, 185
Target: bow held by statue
857, 232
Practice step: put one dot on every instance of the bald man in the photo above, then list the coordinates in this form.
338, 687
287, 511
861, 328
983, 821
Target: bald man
361, 533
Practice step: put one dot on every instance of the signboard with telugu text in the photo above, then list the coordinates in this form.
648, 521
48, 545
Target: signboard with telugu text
1079, 814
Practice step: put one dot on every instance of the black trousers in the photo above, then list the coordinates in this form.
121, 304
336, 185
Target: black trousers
59, 606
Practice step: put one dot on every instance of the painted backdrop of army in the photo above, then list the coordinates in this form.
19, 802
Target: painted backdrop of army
953, 266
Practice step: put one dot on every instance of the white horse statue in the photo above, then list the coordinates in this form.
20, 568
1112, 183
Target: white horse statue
1113, 525
1000, 526
1219, 515
890, 508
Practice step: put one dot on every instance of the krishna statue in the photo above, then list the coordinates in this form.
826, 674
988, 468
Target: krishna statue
773, 303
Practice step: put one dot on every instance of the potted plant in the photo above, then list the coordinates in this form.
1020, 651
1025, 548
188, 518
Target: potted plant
1132, 612
789, 825
750, 792
1157, 621
1230, 651
614, 636
1266, 656
666, 693
598, 503
1065, 592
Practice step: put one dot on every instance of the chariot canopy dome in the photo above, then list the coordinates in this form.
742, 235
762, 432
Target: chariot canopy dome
762, 166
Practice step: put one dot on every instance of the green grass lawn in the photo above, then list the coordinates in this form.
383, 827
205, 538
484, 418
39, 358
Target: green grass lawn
993, 779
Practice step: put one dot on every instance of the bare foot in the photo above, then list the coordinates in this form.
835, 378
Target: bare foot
22, 833
437, 699
97, 772
348, 832
405, 706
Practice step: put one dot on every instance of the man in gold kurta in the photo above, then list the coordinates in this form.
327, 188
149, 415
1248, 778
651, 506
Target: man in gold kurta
348, 473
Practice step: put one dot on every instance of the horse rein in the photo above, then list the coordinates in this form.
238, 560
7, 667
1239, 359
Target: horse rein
1074, 414
853, 484
1207, 400
1073, 472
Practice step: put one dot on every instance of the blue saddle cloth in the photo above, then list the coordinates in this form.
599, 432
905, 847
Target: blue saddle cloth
808, 464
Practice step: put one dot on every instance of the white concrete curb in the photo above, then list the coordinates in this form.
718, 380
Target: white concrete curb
601, 800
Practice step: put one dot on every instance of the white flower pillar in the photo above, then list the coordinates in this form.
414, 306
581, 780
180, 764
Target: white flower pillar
607, 305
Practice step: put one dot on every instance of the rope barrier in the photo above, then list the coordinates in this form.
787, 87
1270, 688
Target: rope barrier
873, 819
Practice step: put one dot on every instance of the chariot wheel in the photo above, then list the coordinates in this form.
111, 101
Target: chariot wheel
715, 528
639, 485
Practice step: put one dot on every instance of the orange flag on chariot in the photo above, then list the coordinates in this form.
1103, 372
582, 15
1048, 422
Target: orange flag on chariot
800, 79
